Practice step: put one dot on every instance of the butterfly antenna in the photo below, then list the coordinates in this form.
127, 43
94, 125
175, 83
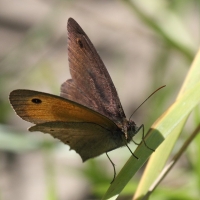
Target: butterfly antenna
146, 100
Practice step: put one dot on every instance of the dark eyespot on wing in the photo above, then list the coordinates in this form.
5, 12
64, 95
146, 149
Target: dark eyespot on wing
79, 42
37, 101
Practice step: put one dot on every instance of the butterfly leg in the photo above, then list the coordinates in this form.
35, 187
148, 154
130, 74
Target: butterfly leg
136, 143
113, 168
143, 137
125, 143
131, 151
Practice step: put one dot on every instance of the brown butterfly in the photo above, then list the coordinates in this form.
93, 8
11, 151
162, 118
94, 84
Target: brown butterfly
88, 116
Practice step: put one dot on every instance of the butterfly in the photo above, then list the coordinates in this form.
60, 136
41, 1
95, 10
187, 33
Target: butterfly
88, 115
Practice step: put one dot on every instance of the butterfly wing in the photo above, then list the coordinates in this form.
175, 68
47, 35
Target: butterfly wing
39, 107
87, 139
91, 84
84, 130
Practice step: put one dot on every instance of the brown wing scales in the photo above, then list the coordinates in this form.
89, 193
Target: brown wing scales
39, 107
90, 76
87, 139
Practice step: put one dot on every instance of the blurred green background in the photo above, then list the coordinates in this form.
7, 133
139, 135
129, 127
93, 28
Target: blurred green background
144, 44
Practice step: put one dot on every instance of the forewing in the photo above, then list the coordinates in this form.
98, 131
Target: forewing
87, 139
38, 107
90, 82
70, 91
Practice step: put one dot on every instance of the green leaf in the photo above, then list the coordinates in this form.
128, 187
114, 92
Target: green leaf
171, 121
159, 158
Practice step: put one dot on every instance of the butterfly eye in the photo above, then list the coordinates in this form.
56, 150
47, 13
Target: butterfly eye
79, 43
36, 101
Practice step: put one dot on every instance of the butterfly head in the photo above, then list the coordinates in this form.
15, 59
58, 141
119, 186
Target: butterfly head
129, 129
